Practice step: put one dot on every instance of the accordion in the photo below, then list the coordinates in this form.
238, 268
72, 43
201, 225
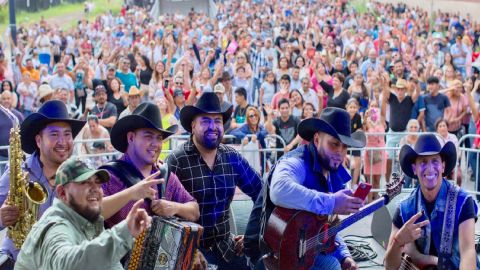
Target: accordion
169, 244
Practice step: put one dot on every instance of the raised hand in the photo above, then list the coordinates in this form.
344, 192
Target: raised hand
410, 231
137, 219
345, 203
145, 188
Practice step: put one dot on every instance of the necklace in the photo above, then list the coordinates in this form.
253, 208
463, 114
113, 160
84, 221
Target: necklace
100, 110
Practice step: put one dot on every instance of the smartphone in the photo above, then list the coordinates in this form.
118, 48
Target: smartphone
362, 190
122, 87
165, 83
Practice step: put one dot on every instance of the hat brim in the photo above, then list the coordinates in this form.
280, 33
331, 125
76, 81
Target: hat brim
35, 122
408, 156
188, 113
103, 175
307, 128
118, 135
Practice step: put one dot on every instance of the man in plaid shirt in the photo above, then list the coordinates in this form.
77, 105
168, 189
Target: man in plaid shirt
210, 172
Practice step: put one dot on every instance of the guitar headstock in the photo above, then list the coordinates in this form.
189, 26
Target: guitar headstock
394, 187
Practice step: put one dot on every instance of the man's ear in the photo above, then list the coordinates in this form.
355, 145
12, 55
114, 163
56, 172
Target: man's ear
61, 193
130, 136
38, 139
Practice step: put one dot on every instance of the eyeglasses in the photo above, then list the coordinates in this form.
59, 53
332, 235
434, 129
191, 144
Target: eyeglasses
126, 63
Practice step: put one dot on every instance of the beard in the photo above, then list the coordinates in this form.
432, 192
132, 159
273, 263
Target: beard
326, 161
88, 213
207, 142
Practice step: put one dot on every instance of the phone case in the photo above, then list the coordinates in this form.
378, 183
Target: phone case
362, 190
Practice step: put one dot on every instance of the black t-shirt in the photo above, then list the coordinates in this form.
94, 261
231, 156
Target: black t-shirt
339, 101
145, 76
107, 111
356, 123
400, 112
344, 71
287, 130
118, 103
467, 212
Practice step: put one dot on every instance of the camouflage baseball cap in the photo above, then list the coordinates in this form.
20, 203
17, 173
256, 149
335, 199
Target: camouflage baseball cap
78, 170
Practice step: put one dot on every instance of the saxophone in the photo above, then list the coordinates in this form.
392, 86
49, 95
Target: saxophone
24, 194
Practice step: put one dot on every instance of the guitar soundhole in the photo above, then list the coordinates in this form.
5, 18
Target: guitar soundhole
301, 249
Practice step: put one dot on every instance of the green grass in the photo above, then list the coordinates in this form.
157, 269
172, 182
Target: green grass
359, 5
26, 18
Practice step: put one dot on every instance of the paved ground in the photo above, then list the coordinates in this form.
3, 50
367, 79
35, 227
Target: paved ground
465, 7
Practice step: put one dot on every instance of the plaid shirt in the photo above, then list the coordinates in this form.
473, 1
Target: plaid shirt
214, 190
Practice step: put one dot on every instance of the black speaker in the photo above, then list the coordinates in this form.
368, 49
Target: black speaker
381, 226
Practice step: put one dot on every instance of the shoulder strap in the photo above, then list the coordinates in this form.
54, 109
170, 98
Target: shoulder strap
448, 227
125, 171
165, 174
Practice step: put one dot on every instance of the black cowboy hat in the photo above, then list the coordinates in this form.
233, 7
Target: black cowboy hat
51, 111
336, 123
427, 145
146, 115
207, 103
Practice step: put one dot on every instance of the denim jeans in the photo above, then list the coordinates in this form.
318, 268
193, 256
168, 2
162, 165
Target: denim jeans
214, 257
323, 261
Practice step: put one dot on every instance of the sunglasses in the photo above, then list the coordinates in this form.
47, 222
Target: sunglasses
179, 83
252, 116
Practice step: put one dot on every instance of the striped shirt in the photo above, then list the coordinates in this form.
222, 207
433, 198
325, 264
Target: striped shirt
258, 60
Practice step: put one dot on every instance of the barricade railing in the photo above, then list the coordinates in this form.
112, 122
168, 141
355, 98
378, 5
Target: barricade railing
269, 155
469, 158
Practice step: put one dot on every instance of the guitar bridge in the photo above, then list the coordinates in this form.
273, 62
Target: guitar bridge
302, 245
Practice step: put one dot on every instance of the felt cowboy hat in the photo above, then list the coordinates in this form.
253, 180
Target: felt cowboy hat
146, 115
336, 123
427, 145
207, 103
51, 111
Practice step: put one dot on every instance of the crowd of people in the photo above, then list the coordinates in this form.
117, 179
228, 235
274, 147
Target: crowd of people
277, 62
297, 69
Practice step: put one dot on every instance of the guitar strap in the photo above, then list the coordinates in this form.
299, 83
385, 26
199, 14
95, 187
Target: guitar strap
446, 242
130, 175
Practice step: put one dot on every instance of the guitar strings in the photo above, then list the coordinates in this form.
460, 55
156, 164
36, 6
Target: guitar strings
313, 241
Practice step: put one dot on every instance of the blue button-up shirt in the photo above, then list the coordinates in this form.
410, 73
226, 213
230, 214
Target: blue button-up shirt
298, 183
33, 167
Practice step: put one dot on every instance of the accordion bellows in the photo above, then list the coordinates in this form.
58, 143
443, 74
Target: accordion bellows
169, 244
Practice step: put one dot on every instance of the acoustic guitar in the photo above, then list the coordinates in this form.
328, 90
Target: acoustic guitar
295, 237
407, 264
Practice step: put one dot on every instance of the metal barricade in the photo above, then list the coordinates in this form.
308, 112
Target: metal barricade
269, 155
469, 165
